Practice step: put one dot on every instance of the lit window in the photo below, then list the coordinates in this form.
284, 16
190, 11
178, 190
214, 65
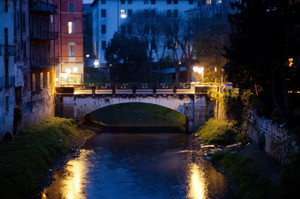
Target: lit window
33, 82
123, 14
41, 80
208, 1
71, 50
219, 1
71, 7
48, 79
71, 27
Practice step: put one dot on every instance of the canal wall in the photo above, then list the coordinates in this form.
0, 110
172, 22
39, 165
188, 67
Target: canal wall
269, 136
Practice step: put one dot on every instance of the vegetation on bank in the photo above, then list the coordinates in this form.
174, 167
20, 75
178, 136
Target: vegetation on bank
26, 159
216, 131
248, 179
155, 110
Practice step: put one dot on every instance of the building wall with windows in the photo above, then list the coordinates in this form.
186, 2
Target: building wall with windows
7, 82
69, 46
108, 15
34, 38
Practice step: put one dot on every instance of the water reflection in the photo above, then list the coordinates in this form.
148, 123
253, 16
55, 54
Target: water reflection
138, 166
71, 180
197, 184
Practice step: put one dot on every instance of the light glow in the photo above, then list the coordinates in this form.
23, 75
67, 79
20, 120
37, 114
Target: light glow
75, 69
123, 14
68, 71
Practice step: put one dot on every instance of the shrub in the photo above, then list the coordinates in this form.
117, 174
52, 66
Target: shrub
216, 131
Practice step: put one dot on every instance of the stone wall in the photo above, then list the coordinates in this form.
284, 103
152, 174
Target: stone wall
270, 137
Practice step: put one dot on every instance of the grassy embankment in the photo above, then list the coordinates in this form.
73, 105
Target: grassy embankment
24, 161
155, 110
251, 171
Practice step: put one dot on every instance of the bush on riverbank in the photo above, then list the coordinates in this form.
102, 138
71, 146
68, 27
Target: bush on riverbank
249, 181
26, 159
216, 131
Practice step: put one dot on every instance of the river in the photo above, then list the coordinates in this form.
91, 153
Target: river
144, 163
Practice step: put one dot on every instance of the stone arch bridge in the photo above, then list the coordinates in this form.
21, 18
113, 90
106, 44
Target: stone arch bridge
192, 101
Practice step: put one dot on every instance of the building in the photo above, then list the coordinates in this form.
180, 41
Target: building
69, 46
7, 81
108, 15
34, 38
209, 8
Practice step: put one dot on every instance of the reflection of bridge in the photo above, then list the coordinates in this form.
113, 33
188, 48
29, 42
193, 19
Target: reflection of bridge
188, 99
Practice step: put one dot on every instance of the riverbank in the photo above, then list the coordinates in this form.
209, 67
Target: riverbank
251, 172
25, 162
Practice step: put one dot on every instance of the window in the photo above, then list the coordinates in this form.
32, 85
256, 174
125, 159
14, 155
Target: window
208, 1
123, 14
103, 13
6, 36
23, 21
146, 13
219, 1
175, 1
122, 1
146, 1
71, 6
48, 79
6, 103
175, 13
153, 13
103, 1
71, 27
71, 50
169, 13
33, 82
103, 44
122, 29
129, 29
146, 29
41, 80
129, 12
168, 1
129, 1
191, 2
5, 6
103, 29
152, 1
6, 72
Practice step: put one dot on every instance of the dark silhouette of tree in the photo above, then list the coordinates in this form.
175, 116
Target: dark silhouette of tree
258, 53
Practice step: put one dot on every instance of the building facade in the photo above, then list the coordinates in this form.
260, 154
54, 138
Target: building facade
34, 38
69, 46
7, 80
108, 15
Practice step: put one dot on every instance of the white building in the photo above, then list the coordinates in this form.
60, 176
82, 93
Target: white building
108, 15
7, 81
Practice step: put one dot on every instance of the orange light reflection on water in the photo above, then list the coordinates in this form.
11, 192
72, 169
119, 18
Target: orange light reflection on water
196, 185
71, 186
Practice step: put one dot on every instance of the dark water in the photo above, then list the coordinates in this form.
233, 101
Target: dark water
126, 165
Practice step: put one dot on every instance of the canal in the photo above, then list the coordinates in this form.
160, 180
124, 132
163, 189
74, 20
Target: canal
140, 162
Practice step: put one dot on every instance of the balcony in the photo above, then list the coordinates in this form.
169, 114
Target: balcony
41, 6
7, 82
44, 35
42, 62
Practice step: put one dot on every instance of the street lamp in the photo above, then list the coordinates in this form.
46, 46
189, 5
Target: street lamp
199, 70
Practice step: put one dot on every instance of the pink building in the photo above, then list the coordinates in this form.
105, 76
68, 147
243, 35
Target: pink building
69, 46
